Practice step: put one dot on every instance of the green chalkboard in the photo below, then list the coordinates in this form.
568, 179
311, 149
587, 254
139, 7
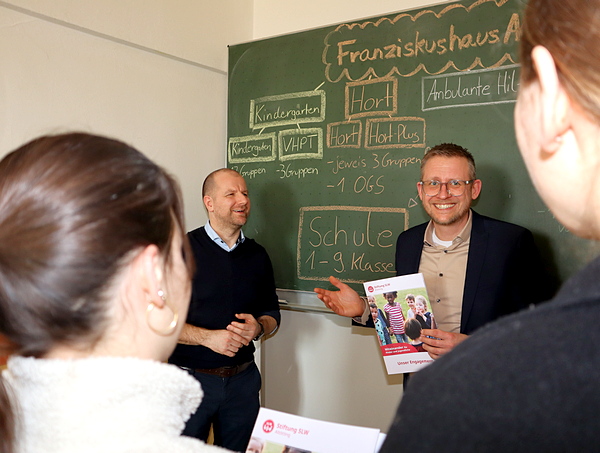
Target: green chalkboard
328, 127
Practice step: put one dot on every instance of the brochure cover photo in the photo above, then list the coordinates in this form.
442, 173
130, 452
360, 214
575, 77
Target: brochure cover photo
400, 309
280, 432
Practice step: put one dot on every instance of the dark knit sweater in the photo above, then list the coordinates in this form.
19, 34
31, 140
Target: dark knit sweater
527, 383
226, 283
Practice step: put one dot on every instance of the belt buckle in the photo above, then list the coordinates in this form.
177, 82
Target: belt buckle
228, 371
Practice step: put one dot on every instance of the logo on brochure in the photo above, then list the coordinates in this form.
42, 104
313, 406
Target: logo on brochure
378, 287
268, 426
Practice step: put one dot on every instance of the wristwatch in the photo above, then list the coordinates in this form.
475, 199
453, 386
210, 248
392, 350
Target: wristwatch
261, 333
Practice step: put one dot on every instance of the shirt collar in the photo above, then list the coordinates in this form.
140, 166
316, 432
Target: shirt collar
463, 236
220, 242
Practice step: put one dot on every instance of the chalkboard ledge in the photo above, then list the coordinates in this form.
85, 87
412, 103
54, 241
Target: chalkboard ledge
295, 300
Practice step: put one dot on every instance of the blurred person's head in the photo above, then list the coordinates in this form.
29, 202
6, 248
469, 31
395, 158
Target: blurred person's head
93, 256
558, 109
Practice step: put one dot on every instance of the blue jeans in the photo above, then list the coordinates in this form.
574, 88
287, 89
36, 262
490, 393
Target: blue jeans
230, 405
401, 338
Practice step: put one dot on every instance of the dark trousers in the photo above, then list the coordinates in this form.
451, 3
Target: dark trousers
230, 405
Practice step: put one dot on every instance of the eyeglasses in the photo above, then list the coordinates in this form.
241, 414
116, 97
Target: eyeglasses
454, 187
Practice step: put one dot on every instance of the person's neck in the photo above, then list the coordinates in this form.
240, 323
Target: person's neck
119, 346
449, 232
230, 235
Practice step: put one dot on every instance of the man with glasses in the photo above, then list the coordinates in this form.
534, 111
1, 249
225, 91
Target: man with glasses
476, 268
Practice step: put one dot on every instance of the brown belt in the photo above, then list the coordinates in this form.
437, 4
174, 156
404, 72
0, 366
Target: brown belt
224, 371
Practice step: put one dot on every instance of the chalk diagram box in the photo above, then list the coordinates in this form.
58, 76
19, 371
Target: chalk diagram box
354, 243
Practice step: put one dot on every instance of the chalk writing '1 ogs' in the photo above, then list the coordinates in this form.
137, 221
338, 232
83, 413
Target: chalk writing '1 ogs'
371, 184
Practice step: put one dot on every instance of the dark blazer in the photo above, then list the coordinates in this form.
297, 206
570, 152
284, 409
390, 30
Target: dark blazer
504, 270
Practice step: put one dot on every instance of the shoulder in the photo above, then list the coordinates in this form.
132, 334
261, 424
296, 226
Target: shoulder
532, 366
536, 327
200, 243
250, 245
496, 224
414, 232
482, 223
197, 234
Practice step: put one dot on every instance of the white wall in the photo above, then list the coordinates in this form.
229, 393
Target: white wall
318, 365
143, 71
272, 17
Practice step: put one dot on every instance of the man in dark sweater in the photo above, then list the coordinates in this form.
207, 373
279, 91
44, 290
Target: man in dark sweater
233, 303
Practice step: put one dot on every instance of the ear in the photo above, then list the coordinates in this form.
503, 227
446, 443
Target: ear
555, 104
420, 190
150, 273
208, 203
476, 189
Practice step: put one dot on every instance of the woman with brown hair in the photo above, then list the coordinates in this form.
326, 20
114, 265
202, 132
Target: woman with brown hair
94, 287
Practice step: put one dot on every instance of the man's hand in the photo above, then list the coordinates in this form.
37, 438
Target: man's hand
220, 341
224, 342
248, 329
442, 343
345, 302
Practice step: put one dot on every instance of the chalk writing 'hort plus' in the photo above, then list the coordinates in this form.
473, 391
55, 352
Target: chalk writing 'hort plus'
401, 132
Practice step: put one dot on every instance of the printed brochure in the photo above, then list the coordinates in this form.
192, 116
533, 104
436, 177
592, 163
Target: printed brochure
279, 432
400, 309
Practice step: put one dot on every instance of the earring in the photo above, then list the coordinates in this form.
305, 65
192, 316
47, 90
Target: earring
171, 328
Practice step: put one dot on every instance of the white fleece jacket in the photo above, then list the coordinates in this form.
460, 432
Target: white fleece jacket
105, 404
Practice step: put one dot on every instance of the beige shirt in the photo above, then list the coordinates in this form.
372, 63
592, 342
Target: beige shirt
444, 270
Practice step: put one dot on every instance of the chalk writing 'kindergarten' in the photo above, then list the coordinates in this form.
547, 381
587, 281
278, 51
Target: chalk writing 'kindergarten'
287, 109
249, 149
262, 115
